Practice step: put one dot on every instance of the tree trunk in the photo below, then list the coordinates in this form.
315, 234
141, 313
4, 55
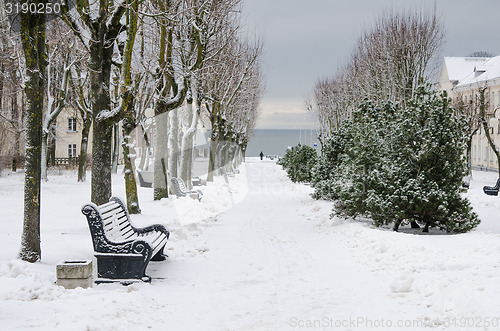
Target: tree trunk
161, 136
145, 150
116, 148
173, 143
82, 161
187, 146
102, 136
17, 134
17, 149
129, 120
102, 130
469, 156
129, 159
211, 158
397, 223
44, 156
33, 42
414, 225
51, 151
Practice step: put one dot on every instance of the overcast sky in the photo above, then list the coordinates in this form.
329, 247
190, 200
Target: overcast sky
308, 40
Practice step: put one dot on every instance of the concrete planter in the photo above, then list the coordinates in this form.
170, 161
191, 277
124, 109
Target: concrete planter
73, 274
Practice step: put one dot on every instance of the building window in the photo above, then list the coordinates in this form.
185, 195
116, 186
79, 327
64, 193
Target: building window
71, 124
72, 150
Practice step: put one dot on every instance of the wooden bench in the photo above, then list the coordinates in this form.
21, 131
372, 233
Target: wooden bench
122, 250
146, 178
492, 190
181, 190
197, 181
226, 174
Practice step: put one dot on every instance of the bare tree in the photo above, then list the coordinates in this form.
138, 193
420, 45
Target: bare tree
103, 23
484, 121
391, 58
227, 87
470, 112
11, 90
80, 90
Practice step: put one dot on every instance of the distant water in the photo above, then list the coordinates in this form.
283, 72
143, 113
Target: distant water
276, 142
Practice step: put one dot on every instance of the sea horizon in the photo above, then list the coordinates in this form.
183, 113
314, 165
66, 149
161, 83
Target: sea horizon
277, 141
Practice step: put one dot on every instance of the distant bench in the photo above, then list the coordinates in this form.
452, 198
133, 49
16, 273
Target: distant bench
122, 250
492, 190
181, 190
146, 178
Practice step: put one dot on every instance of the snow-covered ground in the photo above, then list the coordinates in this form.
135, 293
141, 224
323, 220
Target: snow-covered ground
255, 254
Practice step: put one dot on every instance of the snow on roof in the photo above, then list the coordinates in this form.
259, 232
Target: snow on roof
460, 67
482, 73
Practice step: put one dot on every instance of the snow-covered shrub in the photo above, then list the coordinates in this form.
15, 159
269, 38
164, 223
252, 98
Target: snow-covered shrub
324, 173
405, 164
298, 162
365, 158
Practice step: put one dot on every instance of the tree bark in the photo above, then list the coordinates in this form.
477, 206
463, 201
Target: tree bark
187, 145
129, 120
101, 52
82, 161
128, 159
173, 142
116, 148
33, 42
159, 185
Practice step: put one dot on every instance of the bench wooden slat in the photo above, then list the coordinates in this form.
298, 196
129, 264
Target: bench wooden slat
160, 245
115, 219
112, 213
118, 226
108, 206
128, 233
119, 231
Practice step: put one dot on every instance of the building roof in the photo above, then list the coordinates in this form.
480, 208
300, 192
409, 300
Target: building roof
460, 67
481, 74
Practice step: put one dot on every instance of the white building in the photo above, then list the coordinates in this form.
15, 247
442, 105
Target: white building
462, 77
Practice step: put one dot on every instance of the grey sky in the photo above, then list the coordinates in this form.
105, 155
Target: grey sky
308, 40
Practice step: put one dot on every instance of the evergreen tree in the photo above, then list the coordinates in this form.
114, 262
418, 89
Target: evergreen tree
365, 159
400, 165
324, 172
430, 143
298, 162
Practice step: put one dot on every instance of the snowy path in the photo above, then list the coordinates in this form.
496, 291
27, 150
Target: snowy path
268, 257
268, 266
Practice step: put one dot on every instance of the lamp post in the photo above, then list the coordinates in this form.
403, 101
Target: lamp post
494, 121
149, 112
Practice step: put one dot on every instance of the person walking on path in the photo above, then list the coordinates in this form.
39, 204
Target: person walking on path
261, 155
